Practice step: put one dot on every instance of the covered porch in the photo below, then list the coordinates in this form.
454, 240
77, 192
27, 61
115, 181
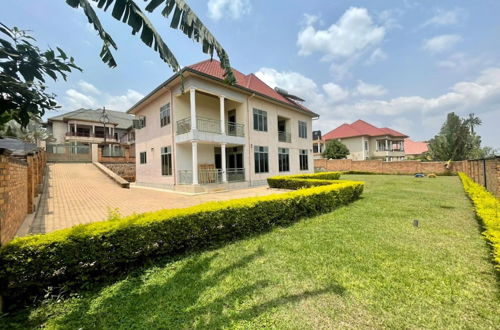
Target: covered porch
202, 163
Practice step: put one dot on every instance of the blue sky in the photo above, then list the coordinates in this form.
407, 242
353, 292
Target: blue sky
401, 64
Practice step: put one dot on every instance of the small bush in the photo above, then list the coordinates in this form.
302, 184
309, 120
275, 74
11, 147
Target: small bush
304, 180
80, 256
487, 208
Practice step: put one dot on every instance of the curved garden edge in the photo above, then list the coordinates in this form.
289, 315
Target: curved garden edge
71, 258
487, 208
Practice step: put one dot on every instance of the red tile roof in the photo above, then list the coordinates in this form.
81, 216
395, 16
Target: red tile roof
250, 81
360, 128
415, 148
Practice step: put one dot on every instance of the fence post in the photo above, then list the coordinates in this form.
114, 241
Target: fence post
484, 174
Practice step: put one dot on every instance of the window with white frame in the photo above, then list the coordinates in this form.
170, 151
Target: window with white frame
284, 159
166, 161
261, 156
259, 120
165, 115
302, 129
303, 160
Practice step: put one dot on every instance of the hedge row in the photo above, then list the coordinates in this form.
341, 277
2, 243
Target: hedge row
304, 180
76, 257
487, 208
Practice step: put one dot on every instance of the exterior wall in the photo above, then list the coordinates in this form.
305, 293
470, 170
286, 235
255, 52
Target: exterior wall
20, 183
59, 130
355, 146
124, 170
270, 138
151, 139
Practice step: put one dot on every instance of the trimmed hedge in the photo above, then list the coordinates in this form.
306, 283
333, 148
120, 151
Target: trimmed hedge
487, 208
304, 180
79, 256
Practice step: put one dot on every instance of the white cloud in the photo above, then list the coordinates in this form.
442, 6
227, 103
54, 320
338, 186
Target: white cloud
365, 89
418, 116
88, 87
355, 32
441, 43
376, 56
444, 17
334, 92
230, 9
80, 98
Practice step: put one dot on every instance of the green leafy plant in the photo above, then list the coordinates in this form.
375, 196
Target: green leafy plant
487, 208
71, 258
24, 69
335, 149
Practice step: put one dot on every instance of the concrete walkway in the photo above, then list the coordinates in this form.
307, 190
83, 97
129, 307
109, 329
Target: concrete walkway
80, 193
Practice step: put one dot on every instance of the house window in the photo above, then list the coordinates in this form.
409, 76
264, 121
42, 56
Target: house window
166, 161
143, 157
139, 123
381, 145
315, 148
284, 159
165, 115
302, 129
366, 145
261, 156
259, 120
304, 163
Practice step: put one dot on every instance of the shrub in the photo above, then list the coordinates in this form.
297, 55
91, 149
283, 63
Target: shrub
487, 209
304, 180
79, 256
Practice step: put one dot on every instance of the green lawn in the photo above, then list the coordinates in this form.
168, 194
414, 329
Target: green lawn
362, 266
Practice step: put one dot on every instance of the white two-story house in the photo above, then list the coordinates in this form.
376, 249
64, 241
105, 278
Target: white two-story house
198, 132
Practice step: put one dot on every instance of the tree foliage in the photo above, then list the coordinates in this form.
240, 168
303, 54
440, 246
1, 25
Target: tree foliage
335, 150
33, 132
24, 69
456, 139
182, 18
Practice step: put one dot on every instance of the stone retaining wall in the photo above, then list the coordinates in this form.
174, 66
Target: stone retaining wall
125, 170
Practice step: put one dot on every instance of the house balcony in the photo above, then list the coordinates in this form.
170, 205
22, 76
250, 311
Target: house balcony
284, 137
211, 176
88, 137
209, 130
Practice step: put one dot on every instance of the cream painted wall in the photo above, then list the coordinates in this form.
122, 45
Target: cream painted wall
151, 139
355, 146
59, 130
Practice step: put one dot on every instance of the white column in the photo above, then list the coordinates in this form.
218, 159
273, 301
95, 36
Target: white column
192, 102
363, 146
223, 161
93, 130
386, 145
222, 120
194, 151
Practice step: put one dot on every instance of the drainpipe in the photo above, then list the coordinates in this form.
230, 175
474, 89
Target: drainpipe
248, 134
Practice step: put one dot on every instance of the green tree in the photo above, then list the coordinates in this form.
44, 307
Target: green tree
335, 150
182, 18
33, 132
23, 71
456, 139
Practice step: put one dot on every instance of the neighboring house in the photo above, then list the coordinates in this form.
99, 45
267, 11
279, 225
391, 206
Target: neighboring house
413, 149
199, 131
366, 141
84, 127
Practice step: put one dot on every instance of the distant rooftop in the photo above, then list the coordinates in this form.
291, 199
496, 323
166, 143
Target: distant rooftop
120, 119
361, 128
415, 148
17, 147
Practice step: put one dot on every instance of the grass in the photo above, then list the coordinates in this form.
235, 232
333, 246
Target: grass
362, 266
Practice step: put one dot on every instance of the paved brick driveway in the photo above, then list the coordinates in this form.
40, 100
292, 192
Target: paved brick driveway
80, 193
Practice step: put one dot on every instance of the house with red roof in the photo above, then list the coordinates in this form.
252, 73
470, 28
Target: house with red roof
413, 149
196, 133
366, 141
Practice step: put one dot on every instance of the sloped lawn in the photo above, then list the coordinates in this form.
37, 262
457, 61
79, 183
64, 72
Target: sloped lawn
362, 266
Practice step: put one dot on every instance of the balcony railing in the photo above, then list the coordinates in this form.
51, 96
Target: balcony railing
209, 125
89, 134
234, 129
210, 176
284, 137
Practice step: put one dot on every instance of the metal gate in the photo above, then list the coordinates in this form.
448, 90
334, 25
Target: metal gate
69, 153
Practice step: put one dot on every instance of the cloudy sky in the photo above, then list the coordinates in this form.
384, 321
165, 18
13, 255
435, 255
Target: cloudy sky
401, 64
